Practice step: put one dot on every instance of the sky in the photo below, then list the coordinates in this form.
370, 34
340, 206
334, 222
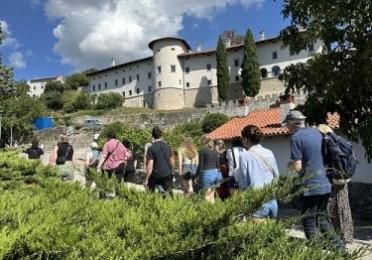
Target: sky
58, 37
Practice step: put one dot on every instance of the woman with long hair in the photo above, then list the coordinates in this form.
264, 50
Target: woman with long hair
208, 169
63, 157
187, 164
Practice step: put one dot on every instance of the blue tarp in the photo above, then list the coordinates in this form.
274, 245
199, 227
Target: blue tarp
43, 123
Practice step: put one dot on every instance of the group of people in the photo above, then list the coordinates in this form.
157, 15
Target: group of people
220, 171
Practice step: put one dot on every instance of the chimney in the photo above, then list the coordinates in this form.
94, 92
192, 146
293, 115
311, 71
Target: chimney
199, 47
261, 35
287, 103
113, 62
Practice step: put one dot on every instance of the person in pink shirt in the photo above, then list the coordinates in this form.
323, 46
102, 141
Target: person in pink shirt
114, 157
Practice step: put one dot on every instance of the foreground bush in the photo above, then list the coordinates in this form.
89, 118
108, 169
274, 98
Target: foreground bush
55, 220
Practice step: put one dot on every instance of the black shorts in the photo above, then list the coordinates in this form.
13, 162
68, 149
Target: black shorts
130, 177
164, 182
119, 172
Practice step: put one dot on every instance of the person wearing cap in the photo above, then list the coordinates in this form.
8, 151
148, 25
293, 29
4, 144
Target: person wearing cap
307, 160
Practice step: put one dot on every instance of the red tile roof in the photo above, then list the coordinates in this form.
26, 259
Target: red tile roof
267, 119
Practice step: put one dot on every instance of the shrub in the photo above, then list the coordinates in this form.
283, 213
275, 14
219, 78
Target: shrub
138, 137
83, 101
52, 99
55, 220
213, 121
109, 101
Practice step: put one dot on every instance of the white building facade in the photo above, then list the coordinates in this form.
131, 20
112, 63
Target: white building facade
37, 86
175, 77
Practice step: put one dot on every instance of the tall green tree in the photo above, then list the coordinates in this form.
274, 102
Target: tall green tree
251, 75
54, 86
223, 76
338, 79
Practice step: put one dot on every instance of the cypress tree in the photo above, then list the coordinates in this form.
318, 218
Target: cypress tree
251, 82
223, 77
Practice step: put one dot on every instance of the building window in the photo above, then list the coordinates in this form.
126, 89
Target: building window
123, 81
93, 88
105, 85
116, 82
236, 63
123, 93
99, 86
137, 77
209, 82
149, 75
159, 69
130, 92
237, 78
34, 87
291, 52
275, 55
42, 87
149, 88
209, 66
172, 49
310, 47
130, 79
275, 71
187, 84
137, 90
187, 69
263, 73
159, 84
173, 68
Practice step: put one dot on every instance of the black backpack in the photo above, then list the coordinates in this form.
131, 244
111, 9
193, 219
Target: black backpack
339, 157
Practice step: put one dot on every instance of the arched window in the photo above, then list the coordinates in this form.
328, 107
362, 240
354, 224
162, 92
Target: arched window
275, 71
263, 73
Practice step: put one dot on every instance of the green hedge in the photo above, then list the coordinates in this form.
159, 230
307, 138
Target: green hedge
54, 220
213, 121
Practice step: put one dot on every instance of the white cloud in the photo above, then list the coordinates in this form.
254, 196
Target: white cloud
35, 2
16, 60
8, 41
90, 32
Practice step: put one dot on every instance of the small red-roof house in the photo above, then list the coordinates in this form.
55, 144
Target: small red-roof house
276, 137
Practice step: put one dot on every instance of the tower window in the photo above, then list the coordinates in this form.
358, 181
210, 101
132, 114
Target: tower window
105, 85
123, 81
116, 82
159, 69
209, 82
149, 75
187, 84
138, 77
236, 63
137, 90
173, 68
237, 78
209, 66
159, 84
149, 88
187, 69
130, 92
275, 55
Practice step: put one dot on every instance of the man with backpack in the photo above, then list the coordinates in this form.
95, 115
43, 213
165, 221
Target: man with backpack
160, 164
306, 144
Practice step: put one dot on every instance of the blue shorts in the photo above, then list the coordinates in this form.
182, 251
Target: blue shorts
210, 178
269, 209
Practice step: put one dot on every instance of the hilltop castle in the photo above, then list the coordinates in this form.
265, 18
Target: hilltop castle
176, 77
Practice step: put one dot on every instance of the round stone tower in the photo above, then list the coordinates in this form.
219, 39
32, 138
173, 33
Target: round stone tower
168, 72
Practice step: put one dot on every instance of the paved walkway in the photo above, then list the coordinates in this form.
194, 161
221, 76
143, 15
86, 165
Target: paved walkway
362, 237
